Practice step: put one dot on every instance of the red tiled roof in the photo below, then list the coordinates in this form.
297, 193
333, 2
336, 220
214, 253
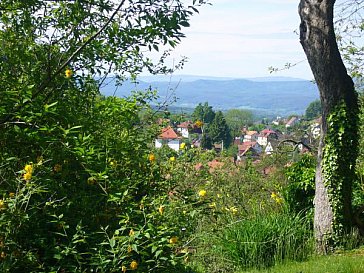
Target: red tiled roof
185, 124
267, 132
168, 133
246, 145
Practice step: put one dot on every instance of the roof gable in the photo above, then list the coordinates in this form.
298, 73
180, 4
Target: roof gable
168, 133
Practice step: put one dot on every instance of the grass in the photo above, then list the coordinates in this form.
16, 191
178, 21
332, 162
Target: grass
346, 262
262, 241
267, 240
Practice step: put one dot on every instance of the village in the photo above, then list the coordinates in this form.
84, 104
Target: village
300, 134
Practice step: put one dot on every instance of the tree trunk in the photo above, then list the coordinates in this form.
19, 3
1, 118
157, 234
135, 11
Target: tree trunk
338, 143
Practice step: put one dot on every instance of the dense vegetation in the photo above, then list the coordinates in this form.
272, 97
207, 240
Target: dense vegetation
82, 189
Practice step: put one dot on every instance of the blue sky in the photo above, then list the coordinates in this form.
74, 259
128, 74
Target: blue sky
242, 38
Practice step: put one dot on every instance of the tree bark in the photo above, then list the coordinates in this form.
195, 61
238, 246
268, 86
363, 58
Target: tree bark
337, 149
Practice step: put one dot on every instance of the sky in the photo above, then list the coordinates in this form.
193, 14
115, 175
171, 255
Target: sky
242, 39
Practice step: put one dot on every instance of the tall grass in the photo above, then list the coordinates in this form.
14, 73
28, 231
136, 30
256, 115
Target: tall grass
266, 240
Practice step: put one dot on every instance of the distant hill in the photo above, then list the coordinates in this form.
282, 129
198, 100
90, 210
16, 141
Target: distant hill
269, 97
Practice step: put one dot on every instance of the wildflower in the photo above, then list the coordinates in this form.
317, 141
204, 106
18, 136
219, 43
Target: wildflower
129, 249
11, 194
202, 193
275, 197
57, 168
234, 210
133, 265
151, 157
161, 210
27, 176
68, 73
113, 163
28, 168
173, 240
91, 180
2, 204
198, 123
123, 269
183, 145
172, 158
131, 232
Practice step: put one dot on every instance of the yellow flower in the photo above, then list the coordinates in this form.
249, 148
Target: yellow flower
57, 168
131, 232
123, 269
27, 176
161, 210
275, 197
91, 180
68, 73
234, 210
133, 265
173, 240
129, 249
172, 158
113, 163
151, 157
198, 123
11, 194
2, 204
28, 168
183, 145
202, 193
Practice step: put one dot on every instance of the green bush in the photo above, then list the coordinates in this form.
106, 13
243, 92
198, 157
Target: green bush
88, 197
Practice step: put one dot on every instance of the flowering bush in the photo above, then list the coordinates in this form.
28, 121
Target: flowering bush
89, 204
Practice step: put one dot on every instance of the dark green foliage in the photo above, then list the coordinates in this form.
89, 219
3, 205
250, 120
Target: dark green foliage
300, 191
206, 141
219, 130
204, 113
338, 167
313, 110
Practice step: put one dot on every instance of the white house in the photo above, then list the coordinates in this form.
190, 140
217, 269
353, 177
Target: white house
269, 149
250, 136
292, 121
168, 137
265, 136
183, 128
316, 128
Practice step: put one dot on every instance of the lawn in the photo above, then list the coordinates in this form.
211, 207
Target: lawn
346, 262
